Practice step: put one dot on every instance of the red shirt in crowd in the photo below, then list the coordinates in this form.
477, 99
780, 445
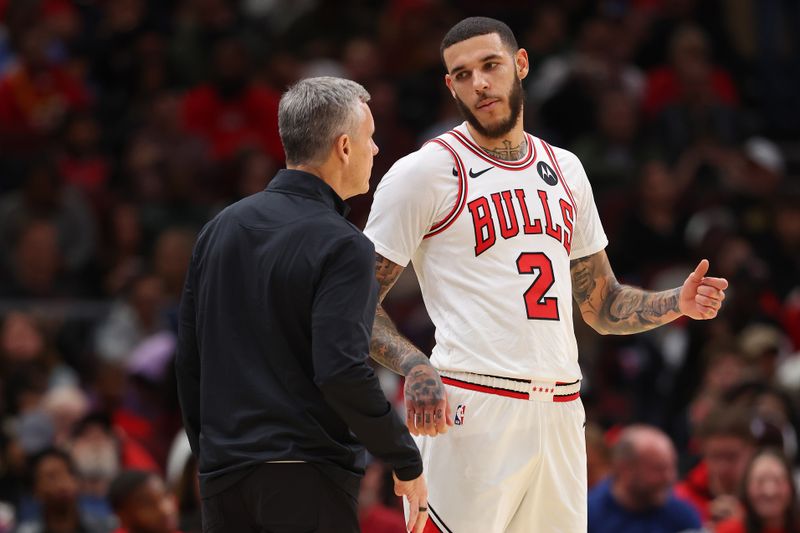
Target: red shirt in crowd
664, 88
247, 120
735, 525
90, 175
694, 489
32, 104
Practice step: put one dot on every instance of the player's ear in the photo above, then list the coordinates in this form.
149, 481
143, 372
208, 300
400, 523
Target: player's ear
449, 82
522, 63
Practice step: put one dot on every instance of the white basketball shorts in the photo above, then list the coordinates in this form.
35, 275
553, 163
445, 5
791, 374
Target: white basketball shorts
515, 460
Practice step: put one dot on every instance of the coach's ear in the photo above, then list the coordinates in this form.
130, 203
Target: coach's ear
342, 148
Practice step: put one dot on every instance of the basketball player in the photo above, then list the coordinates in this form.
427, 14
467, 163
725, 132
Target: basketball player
503, 232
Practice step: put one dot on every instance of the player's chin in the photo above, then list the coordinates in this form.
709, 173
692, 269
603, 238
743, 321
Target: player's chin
490, 119
494, 122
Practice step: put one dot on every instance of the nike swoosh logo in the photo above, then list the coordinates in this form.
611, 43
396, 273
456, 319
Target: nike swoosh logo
476, 174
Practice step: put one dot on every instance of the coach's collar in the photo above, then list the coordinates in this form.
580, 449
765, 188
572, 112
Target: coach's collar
309, 185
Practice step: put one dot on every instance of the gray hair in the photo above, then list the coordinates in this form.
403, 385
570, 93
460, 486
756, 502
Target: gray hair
314, 112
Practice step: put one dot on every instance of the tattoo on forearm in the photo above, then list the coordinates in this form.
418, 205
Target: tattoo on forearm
623, 303
611, 307
388, 346
508, 152
632, 310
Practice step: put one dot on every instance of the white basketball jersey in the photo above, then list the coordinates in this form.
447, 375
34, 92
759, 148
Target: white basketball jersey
491, 243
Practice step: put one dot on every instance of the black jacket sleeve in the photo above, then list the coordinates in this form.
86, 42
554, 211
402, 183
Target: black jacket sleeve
342, 317
187, 363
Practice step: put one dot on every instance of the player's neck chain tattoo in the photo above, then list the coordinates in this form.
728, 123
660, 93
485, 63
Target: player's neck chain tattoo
508, 152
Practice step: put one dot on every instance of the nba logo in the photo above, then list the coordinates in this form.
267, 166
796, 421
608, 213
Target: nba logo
460, 414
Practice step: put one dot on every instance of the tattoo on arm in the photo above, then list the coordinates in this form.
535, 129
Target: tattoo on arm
610, 307
583, 283
388, 346
508, 152
630, 310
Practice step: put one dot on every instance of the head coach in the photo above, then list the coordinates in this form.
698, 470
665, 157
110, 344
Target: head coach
275, 323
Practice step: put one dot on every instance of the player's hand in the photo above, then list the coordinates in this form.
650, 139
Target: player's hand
416, 492
427, 408
701, 296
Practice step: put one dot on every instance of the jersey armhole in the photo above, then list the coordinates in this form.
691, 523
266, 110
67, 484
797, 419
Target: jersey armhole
461, 198
552, 155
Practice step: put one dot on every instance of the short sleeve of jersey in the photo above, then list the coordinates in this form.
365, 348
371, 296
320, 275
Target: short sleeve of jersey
416, 193
589, 237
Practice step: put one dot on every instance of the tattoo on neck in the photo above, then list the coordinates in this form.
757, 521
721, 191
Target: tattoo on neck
508, 152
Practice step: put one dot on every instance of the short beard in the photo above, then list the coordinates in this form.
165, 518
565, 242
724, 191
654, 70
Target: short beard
499, 130
647, 498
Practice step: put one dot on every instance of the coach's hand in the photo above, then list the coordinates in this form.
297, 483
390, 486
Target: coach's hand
416, 492
701, 296
427, 408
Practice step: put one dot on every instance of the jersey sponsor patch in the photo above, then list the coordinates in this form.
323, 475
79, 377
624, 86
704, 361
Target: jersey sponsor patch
547, 173
460, 411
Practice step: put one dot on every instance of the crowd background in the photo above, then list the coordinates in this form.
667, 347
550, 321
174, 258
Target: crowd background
125, 125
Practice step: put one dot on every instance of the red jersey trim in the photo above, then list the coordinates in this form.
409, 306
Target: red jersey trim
461, 199
507, 165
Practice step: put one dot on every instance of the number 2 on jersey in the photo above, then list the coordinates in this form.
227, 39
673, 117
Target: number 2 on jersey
538, 306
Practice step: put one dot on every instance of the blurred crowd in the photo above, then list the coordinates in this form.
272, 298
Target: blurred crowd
125, 125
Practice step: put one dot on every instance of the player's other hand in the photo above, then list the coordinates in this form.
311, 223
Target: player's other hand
427, 409
701, 296
416, 492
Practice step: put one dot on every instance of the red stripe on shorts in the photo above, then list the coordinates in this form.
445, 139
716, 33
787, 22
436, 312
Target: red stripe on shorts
482, 388
566, 397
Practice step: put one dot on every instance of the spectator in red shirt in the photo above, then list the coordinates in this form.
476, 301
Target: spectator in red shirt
689, 52
233, 112
769, 495
81, 163
727, 445
36, 94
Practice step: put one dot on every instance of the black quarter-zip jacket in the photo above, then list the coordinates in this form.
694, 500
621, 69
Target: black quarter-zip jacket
275, 323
